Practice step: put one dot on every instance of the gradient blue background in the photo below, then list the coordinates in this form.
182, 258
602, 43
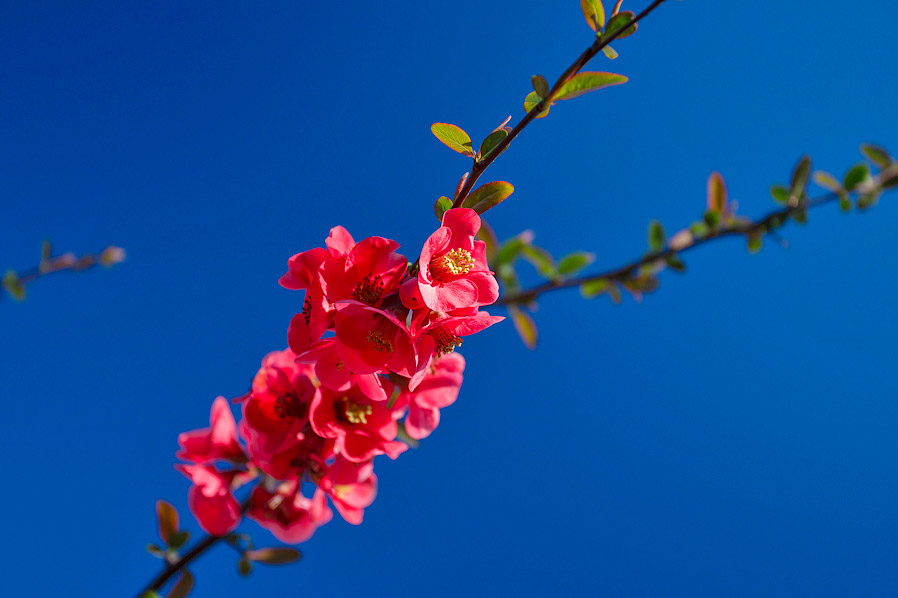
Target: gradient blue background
735, 434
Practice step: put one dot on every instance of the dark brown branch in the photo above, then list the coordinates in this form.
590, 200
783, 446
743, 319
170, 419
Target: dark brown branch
591, 51
198, 549
763, 226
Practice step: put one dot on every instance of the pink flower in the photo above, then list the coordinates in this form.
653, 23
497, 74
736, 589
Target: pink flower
287, 514
371, 340
368, 273
438, 389
276, 415
446, 330
217, 442
210, 498
303, 274
453, 272
351, 487
361, 428
333, 373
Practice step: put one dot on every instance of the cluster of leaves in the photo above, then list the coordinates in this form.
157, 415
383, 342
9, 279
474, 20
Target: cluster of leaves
861, 186
504, 258
14, 282
173, 539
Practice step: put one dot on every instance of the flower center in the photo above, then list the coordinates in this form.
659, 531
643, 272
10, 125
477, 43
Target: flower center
289, 406
446, 342
355, 413
452, 263
307, 309
369, 290
381, 336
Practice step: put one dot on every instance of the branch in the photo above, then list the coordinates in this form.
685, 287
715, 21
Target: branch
480, 167
14, 282
765, 225
199, 548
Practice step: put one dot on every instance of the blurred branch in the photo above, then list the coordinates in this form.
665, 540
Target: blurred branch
14, 282
601, 42
645, 268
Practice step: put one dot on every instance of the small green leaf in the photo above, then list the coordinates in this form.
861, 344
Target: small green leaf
657, 236
712, 219
531, 101
827, 181
610, 52
179, 540
13, 285
274, 556
511, 249
440, 207
845, 201
800, 177
717, 193
488, 236
453, 137
156, 551
541, 260
491, 141
586, 82
487, 196
877, 155
403, 436
780, 194
675, 263
888, 180
594, 13
574, 262
244, 566
540, 86
183, 586
620, 20
594, 288
755, 241
525, 326
150, 594
856, 175
167, 520
867, 200
800, 216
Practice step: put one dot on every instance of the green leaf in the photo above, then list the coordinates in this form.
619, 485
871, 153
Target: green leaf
244, 567
440, 207
827, 181
274, 556
609, 52
586, 82
13, 285
167, 520
155, 551
150, 594
657, 236
889, 180
594, 13
179, 540
876, 154
525, 326
454, 138
491, 141
540, 86
867, 200
487, 196
620, 20
594, 288
780, 194
403, 436
712, 219
575, 261
800, 177
845, 201
856, 175
800, 216
717, 193
675, 263
531, 101
755, 241
182, 587
541, 260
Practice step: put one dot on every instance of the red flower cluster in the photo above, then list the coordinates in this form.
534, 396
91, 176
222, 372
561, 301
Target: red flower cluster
373, 345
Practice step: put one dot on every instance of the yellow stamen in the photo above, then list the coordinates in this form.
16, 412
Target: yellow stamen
455, 262
355, 413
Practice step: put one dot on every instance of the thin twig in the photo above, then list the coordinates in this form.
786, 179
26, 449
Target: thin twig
626, 271
479, 167
199, 548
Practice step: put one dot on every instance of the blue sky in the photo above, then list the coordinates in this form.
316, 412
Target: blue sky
734, 434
